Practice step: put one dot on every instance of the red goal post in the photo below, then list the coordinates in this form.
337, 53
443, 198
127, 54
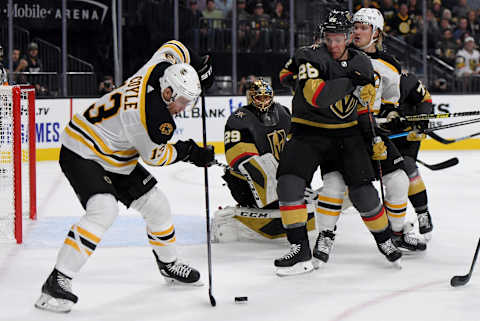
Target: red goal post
17, 160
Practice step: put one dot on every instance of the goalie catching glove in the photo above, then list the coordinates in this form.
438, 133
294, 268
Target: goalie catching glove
260, 172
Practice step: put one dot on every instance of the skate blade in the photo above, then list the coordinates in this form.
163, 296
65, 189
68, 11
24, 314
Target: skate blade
397, 264
49, 303
299, 268
173, 282
317, 264
427, 236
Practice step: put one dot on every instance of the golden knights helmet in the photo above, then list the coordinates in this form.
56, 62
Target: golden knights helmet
260, 95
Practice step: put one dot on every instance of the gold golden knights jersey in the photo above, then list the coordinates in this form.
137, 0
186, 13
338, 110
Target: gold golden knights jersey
130, 122
246, 135
387, 79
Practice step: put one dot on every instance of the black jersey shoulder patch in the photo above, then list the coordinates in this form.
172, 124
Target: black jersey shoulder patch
160, 124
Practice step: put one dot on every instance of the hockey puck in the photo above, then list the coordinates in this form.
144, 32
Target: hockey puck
241, 299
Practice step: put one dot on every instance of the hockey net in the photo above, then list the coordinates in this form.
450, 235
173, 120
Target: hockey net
17, 160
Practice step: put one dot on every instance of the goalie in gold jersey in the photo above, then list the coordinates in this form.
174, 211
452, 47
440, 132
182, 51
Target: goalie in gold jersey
254, 137
100, 155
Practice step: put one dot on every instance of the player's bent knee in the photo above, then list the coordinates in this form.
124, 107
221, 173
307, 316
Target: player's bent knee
101, 210
155, 209
290, 188
364, 197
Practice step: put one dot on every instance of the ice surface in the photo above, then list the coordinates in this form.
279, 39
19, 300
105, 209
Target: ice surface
121, 281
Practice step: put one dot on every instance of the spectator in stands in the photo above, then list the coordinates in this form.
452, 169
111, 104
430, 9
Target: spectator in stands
447, 14
461, 30
403, 25
461, 9
279, 28
224, 5
447, 47
467, 62
15, 58
214, 25
445, 24
245, 83
196, 15
473, 26
260, 40
243, 24
415, 7
106, 86
432, 32
30, 62
437, 9
367, 4
389, 12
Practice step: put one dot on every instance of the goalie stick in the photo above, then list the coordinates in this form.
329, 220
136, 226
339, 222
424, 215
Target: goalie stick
459, 280
445, 141
207, 206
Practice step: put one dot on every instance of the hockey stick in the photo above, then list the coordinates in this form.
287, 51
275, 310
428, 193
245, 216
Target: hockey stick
446, 115
431, 129
207, 207
445, 141
459, 280
445, 164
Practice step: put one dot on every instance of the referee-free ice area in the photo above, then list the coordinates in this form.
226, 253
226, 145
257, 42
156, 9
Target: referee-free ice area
121, 280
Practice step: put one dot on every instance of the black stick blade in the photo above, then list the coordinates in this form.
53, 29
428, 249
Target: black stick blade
459, 280
212, 301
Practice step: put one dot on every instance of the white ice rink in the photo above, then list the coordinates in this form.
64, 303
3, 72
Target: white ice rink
121, 280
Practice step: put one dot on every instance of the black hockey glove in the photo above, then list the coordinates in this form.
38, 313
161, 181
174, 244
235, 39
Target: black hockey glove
205, 73
199, 156
395, 123
360, 73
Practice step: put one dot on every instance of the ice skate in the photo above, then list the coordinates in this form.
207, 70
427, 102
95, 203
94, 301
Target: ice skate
297, 261
425, 225
178, 273
57, 294
391, 252
323, 247
407, 240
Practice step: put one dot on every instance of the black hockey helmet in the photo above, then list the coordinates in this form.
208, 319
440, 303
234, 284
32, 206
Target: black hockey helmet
338, 21
260, 95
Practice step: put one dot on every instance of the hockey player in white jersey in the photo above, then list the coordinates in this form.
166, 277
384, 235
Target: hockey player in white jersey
100, 155
367, 36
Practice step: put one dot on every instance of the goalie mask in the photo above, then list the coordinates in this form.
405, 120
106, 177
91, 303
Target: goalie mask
260, 95
183, 80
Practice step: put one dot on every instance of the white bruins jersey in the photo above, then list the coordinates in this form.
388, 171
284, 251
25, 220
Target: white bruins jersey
130, 122
467, 62
387, 82
173, 51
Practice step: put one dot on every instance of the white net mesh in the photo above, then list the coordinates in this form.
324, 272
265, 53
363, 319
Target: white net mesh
8, 190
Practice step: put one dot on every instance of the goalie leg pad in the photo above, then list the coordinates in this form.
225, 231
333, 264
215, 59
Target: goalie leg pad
260, 172
396, 196
155, 209
231, 224
83, 237
330, 200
